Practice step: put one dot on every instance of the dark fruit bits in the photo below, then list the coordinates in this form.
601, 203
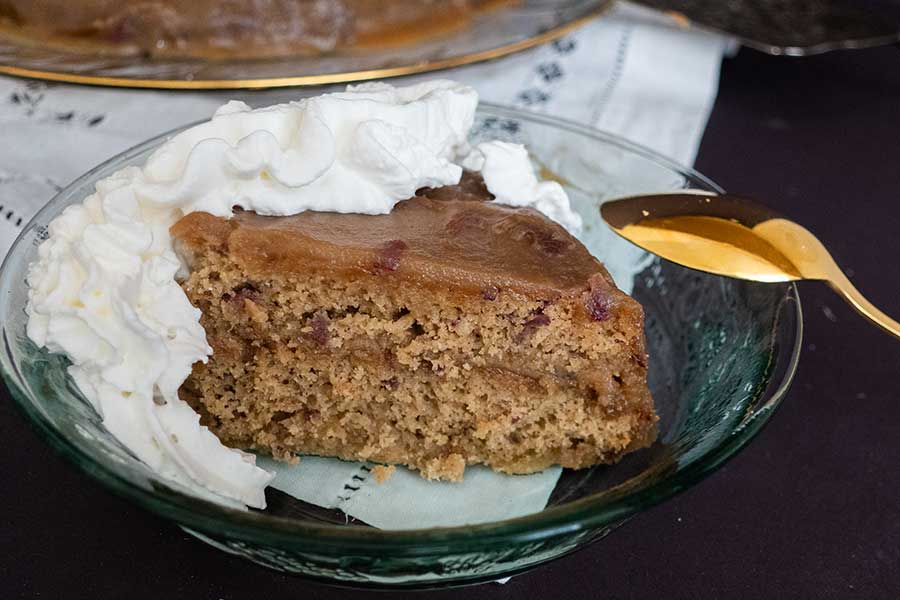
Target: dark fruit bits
529, 327
388, 258
597, 301
539, 320
245, 291
319, 324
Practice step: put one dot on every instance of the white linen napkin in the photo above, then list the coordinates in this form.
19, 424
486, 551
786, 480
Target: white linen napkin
628, 72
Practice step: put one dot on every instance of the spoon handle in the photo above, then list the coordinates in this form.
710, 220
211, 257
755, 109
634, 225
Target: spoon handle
813, 261
840, 284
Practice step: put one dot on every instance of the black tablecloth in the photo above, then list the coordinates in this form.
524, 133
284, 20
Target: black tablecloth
810, 509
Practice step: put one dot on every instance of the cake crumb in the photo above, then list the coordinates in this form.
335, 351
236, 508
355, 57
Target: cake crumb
383, 472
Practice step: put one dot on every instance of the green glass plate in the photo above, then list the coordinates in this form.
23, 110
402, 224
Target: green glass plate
722, 353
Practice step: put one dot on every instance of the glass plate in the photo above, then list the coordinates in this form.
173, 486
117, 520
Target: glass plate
492, 34
722, 354
791, 27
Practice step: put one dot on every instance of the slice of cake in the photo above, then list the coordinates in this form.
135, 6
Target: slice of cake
451, 331
350, 275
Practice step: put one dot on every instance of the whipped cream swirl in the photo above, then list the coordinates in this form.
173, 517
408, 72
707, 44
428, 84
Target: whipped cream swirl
509, 176
104, 292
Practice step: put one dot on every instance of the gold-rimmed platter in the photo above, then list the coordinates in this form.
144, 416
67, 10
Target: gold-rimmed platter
490, 34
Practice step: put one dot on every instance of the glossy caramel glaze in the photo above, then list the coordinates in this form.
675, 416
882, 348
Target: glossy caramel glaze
448, 237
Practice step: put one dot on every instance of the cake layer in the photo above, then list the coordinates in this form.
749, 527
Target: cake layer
435, 423
352, 320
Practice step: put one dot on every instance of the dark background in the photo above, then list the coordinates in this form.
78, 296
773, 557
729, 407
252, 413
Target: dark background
810, 510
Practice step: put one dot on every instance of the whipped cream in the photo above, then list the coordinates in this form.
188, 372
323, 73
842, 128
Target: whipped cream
103, 290
510, 177
358, 151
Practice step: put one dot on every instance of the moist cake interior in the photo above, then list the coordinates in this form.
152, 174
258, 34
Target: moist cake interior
452, 331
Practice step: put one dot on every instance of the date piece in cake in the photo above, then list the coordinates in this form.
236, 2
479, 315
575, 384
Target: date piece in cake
452, 331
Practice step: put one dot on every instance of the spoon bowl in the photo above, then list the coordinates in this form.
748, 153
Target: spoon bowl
735, 237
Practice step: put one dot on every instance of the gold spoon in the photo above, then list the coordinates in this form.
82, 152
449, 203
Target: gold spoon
732, 236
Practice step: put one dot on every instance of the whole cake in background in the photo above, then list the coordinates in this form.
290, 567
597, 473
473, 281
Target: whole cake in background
345, 276
232, 28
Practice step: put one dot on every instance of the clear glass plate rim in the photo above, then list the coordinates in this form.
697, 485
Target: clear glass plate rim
588, 513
